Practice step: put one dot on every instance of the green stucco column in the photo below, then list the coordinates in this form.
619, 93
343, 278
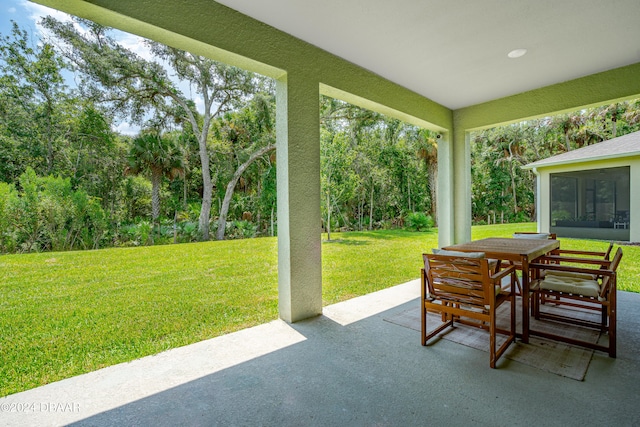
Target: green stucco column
298, 174
445, 205
461, 185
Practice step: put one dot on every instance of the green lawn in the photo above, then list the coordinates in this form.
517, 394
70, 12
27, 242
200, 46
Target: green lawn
67, 313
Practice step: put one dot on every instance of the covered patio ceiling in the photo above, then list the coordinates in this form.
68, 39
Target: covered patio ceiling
454, 52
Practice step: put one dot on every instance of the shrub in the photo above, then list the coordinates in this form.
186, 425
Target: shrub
418, 221
242, 230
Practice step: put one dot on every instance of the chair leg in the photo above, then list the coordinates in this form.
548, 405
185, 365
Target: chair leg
423, 319
535, 303
513, 317
492, 340
612, 309
604, 315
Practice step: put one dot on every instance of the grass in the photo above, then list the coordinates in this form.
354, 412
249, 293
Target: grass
67, 313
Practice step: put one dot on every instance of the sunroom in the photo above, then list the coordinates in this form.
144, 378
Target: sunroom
586, 193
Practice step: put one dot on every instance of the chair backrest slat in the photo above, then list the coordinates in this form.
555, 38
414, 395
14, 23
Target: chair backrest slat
615, 262
459, 279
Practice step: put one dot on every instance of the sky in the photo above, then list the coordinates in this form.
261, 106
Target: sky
28, 14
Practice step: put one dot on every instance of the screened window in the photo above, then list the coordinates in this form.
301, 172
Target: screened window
595, 198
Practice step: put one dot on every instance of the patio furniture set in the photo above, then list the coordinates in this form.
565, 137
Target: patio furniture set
467, 283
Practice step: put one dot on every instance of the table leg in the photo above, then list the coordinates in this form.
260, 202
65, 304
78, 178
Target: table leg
525, 300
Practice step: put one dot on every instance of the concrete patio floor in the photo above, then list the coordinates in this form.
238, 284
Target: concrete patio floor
348, 367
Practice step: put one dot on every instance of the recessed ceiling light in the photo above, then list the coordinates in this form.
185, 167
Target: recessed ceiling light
517, 53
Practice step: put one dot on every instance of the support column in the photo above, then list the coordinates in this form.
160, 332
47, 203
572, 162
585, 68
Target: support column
461, 186
445, 204
298, 180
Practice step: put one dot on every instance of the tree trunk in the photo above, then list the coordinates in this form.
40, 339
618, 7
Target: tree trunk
224, 209
433, 190
409, 192
156, 180
361, 212
328, 216
371, 207
207, 190
175, 227
49, 138
273, 208
184, 199
513, 188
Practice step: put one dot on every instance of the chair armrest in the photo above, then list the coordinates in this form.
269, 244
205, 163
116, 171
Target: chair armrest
572, 268
576, 252
556, 259
503, 273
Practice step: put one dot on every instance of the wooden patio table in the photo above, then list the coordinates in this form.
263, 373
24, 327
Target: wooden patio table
524, 251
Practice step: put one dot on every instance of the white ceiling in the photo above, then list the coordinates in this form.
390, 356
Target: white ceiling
455, 51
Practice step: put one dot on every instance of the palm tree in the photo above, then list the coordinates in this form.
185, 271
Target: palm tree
157, 156
428, 151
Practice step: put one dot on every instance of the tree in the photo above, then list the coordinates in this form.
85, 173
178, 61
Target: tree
427, 151
32, 90
339, 180
137, 86
158, 156
246, 135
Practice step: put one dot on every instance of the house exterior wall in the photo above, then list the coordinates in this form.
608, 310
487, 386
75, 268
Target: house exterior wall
544, 194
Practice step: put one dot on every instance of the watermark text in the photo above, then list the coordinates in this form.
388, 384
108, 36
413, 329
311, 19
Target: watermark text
30, 407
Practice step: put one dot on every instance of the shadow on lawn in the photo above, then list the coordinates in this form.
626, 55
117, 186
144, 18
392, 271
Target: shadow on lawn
393, 234
346, 242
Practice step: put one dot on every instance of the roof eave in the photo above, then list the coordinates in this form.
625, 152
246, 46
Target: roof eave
536, 165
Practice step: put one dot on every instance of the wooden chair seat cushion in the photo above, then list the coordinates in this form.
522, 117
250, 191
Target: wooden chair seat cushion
585, 276
587, 287
539, 236
478, 255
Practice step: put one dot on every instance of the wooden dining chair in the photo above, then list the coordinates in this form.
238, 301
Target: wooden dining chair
574, 282
605, 255
465, 290
527, 235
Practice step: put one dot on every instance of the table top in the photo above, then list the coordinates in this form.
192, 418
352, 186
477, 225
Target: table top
508, 248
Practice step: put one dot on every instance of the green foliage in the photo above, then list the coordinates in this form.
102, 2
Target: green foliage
156, 156
501, 190
47, 214
375, 172
137, 191
418, 221
136, 234
373, 169
8, 199
242, 230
